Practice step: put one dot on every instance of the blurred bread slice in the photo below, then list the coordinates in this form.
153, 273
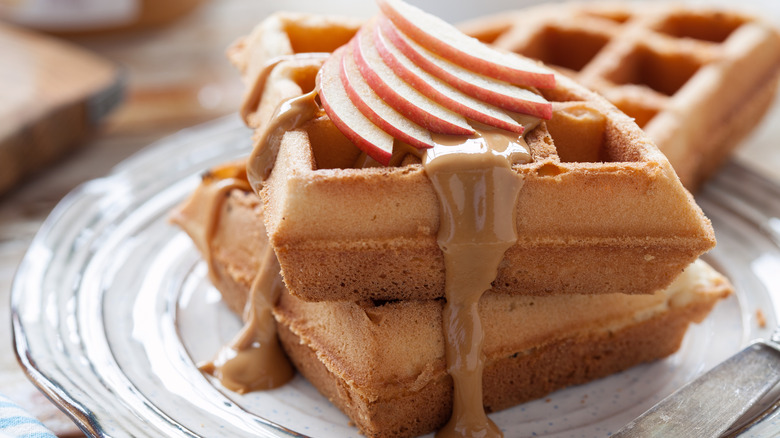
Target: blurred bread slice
53, 95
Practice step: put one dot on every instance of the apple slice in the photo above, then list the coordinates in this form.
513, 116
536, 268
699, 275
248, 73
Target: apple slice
400, 95
439, 90
348, 119
502, 94
448, 42
376, 110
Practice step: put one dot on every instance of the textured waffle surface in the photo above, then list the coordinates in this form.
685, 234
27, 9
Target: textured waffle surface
601, 209
696, 79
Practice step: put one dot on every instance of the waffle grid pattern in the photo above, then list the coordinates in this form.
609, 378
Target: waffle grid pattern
695, 79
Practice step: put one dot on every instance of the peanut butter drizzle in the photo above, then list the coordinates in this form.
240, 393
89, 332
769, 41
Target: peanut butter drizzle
253, 360
200, 216
290, 114
477, 191
255, 92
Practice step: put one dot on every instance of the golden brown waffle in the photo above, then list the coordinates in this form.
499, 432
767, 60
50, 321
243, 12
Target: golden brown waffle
601, 210
383, 363
697, 80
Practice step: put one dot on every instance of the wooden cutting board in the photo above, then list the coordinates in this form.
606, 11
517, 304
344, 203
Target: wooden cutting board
52, 93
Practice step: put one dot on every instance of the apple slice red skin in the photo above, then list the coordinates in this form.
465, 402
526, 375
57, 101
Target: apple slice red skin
426, 88
396, 100
332, 69
538, 109
348, 77
456, 55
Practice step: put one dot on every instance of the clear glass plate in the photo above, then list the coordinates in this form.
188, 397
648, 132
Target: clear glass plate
112, 308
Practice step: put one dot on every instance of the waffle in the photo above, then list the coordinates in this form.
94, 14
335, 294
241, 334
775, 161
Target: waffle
601, 209
697, 80
382, 363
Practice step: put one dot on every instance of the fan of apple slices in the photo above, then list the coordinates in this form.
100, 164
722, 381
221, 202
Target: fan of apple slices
408, 74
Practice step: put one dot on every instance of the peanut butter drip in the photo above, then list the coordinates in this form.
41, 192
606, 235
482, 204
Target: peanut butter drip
254, 360
477, 191
257, 88
290, 115
200, 214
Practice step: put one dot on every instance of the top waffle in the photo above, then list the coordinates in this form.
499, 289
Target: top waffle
601, 210
696, 80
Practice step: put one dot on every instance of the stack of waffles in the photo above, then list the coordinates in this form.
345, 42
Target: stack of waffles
602, 274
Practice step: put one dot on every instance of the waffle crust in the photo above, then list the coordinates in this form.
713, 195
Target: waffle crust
601, 209
419, 404
382, 363
696, 79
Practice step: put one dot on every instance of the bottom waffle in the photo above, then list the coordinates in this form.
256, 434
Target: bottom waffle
382, 363
387, 396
